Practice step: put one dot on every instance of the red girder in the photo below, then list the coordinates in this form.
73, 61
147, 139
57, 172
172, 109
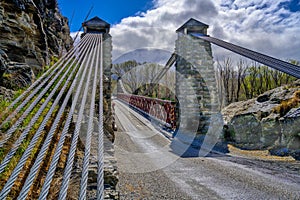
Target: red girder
163, 110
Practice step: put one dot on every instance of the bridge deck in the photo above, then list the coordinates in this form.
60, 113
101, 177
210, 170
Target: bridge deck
150, 169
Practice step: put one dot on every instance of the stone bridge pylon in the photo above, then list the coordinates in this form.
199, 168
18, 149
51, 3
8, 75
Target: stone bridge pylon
196, 85
96, 26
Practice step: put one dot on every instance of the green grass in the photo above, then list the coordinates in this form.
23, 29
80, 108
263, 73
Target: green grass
14, 161
24, 145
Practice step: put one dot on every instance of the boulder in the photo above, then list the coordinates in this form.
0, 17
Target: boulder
256, 123
247, 130
271, 130
291, 132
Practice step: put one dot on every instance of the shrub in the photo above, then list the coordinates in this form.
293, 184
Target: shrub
286, 105
54, 59
297, 95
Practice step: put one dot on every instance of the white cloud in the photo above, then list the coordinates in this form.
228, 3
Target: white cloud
257, 24
76, 36
156, 28
263, 26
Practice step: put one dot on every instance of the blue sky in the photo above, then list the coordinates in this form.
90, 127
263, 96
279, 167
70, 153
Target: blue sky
267, 26
111, 11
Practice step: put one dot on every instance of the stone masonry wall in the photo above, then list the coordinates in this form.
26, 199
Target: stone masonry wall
110, 167
107, 64
195, 82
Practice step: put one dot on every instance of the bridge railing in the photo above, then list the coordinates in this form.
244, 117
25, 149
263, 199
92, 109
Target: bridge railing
162, 111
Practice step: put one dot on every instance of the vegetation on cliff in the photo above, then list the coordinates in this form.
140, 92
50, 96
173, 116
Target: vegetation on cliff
32, 32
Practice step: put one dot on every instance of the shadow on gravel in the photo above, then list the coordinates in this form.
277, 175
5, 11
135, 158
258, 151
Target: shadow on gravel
198, 149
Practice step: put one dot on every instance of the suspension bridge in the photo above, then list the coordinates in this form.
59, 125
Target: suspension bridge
62, 114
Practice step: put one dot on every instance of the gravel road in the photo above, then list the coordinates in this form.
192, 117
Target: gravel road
149, 170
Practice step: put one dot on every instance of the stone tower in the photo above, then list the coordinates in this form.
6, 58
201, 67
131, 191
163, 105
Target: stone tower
99, 26
196, 86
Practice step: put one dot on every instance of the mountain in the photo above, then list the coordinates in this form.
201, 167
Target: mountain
145, 55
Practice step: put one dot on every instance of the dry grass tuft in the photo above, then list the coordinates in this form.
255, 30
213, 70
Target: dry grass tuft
287, 105
258, 154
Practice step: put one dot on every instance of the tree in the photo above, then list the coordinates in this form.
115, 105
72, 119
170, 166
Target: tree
122, 68
241, 81
241, 74
225, 72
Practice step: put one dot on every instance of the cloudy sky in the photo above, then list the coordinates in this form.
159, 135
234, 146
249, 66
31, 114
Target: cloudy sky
268, 26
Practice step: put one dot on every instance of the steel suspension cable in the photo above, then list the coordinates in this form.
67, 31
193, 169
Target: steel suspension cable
261, 58
34, 103
158, 76
100, 176
271, 61
49, 74
58, 150
33, 120
86, 159
70, 161
34, 169
6, 189
55, 67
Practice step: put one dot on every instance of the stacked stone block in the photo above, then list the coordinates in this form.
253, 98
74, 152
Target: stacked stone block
107, 64
196, 86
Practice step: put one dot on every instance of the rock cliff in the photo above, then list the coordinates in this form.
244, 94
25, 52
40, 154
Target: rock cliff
270, 121
32, 31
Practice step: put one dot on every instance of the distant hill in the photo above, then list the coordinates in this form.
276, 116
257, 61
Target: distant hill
145, 55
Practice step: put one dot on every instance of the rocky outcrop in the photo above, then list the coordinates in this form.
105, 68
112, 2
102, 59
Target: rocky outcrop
6, 94
32, 31
14, 75
270, 121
